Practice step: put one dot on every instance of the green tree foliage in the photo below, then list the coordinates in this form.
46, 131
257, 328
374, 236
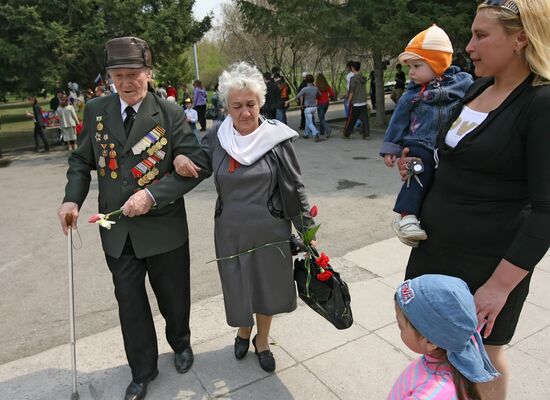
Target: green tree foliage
211, 62
45, 40
177, 71
373, 30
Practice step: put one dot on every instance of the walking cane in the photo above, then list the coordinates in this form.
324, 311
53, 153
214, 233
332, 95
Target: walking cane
69, 222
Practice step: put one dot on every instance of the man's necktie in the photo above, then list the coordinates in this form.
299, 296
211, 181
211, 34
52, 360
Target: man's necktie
129, 121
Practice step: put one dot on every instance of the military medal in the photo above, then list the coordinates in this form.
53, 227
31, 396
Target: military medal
97, 137
113, 165
105, 137
164, 141
99, 126
150, 139
146, 170
101, 164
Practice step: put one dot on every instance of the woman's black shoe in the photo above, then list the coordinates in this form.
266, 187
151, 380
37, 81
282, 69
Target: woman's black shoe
241, 347
266, 359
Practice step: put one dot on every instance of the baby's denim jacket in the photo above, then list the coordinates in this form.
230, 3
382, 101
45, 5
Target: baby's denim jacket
421, 114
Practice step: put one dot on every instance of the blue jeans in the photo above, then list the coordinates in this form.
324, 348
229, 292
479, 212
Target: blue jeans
324, 127
310, 126
281, 115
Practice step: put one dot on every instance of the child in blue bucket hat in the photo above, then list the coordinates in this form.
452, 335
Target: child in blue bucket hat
437, 318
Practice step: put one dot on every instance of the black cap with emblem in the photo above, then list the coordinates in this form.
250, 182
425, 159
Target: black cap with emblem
128, 52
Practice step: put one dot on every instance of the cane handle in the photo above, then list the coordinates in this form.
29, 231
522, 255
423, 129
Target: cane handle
69, 220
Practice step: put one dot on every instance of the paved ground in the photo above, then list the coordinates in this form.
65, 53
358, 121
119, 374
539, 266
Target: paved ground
314, 360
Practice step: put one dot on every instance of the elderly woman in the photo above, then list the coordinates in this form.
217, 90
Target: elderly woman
249, 210
487, 213
68, 120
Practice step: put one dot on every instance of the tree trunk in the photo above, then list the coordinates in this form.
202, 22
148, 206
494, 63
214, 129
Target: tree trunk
379, 83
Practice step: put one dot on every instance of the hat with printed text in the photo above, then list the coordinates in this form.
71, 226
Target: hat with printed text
127, 52
431, 45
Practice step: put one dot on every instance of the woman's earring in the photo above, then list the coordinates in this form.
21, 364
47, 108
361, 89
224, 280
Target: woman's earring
518, 51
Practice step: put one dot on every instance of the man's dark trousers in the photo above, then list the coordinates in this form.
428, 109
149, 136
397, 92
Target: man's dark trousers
39, 133
357, 113
170, 279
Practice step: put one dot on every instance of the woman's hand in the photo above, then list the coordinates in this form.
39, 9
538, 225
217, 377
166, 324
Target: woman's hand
489, 299
185, 167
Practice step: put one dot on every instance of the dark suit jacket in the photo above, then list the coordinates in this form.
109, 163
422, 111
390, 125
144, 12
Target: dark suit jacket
162, 229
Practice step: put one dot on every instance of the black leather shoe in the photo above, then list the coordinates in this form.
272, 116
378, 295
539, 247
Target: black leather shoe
137, 391
266, 359
241, 347
184, 360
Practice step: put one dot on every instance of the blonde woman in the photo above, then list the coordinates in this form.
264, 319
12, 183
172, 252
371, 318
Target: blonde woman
488, 210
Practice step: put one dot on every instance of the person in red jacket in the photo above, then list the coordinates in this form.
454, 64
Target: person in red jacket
323, 101
171, 91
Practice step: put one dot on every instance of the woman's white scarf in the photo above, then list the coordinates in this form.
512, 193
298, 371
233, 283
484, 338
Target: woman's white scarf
250, 148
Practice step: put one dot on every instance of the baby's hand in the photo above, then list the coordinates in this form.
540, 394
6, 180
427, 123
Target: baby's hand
389, 160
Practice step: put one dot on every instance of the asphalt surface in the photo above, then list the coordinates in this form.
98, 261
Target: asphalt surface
345, 178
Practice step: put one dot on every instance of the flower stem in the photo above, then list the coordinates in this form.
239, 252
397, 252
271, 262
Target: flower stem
249, 251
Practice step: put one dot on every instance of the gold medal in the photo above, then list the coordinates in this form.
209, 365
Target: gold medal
102, 172
114, 175
155, 171
164, 141
112, 154
99, 126
151, 151
150, 175
140, 182
145, 179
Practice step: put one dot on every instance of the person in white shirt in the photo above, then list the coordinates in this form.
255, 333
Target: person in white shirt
192, 116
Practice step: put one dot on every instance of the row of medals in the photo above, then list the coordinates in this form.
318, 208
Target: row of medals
152, 174
111, 153
145, 179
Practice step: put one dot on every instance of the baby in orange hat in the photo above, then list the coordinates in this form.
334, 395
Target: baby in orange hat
434, 89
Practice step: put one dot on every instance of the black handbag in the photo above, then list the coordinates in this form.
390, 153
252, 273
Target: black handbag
330, 298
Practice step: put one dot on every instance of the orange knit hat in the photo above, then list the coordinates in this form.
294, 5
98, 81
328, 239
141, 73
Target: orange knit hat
431, 45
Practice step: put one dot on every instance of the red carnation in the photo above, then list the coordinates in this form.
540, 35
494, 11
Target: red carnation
324, 276
94, 218
313, 211
322, 261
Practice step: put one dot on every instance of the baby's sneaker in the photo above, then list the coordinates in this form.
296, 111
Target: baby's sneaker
408, 230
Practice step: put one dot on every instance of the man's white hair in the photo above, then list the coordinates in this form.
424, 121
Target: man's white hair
241, 76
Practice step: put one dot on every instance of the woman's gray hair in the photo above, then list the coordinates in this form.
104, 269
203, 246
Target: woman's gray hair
241, 76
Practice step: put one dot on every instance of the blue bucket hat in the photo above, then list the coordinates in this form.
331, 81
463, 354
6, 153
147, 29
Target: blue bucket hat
442, 309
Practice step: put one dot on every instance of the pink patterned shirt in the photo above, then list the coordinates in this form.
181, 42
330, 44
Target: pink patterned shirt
425, 379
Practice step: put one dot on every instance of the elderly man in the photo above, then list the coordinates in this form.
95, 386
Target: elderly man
131, 139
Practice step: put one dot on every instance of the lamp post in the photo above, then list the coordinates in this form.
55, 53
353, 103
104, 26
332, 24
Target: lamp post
196, 60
